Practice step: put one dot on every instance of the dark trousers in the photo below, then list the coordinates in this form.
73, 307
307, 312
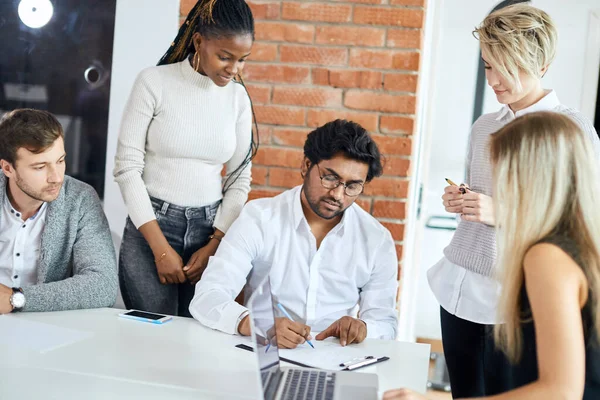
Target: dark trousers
476, 368
187, 230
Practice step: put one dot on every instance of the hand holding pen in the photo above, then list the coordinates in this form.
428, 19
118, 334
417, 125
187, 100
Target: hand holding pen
472, 206
290, 334
453, 197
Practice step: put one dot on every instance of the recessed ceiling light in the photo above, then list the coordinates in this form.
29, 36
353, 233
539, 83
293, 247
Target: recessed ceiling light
35, 13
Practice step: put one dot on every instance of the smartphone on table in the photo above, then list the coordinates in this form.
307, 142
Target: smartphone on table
146, 316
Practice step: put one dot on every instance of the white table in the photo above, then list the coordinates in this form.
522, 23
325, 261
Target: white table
126, 359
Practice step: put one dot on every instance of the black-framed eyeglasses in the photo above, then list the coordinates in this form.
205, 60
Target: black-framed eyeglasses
331, 181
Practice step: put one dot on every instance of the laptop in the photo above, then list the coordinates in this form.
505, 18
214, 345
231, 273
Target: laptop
298, 383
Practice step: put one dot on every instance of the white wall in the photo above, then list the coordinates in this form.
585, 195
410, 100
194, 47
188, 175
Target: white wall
144, 29
449, 113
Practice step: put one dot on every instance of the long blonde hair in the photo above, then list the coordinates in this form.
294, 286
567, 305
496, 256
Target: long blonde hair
518, 38
545, 180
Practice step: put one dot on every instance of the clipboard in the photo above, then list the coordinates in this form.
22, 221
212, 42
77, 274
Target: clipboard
299, 364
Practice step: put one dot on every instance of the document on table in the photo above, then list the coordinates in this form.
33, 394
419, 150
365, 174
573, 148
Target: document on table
327, 354
37, 336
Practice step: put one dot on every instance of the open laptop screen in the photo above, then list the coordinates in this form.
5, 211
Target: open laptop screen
265, 338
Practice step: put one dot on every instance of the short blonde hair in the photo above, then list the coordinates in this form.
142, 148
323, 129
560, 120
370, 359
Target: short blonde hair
518, 38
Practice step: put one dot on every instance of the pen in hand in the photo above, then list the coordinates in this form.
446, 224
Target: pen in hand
461, 188
284, 311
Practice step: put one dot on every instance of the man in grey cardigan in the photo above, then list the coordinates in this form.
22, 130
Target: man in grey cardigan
56, 251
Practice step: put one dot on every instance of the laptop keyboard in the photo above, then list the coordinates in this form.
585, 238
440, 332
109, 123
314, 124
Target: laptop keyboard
309, 385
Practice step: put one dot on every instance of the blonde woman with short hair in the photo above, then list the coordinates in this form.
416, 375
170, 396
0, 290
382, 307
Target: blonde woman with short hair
546, 201
518, 45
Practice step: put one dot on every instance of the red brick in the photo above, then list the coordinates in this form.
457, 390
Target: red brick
406, 60
284, 177
290, 137
384, 59
400, 82
265, 133
314, 55
387, 187
265, 10
264, 52
396, 229
395, 145
404, 38
420, 3
381, 59
399, 252
277, 73
345, 35
394, 124
279, 157
364, 203
185, 6
316, 12
260, 193
320, 76
259, 175
310, 97
360, 1
389, 209
383, 102
405, 17
396, 166
260, 94
347, 79
317, 118
277, 115
284, 32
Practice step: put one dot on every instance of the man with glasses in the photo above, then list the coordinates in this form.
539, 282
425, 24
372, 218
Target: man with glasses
324, 255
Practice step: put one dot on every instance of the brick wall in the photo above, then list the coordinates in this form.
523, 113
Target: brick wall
314, 61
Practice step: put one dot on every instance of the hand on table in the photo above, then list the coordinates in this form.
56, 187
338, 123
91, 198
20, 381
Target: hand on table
348, 329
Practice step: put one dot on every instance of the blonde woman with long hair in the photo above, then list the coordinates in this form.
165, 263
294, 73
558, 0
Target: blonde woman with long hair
518, 45
547, 192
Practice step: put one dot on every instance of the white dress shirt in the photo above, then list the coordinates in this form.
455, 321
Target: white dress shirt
355, 265
465, 294
20, 246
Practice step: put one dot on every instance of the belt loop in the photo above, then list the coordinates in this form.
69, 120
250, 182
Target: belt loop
164, 208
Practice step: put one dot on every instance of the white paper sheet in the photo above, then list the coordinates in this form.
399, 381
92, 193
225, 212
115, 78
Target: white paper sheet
327, 354
37, 336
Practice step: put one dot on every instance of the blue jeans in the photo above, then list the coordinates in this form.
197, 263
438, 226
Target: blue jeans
186, 229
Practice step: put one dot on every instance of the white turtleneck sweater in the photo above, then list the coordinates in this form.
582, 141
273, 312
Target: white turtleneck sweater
177, 132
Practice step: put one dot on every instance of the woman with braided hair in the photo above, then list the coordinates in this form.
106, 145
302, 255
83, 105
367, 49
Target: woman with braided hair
185, 120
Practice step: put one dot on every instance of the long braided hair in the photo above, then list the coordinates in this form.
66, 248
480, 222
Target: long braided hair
213, 19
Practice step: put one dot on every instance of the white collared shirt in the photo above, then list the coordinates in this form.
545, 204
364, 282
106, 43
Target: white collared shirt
355, 265
460, 291
20, 246
547, 103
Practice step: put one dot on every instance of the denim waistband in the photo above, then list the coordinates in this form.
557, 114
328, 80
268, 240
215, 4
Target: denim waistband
207, 212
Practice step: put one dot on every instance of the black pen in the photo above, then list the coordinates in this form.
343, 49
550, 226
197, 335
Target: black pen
365, 363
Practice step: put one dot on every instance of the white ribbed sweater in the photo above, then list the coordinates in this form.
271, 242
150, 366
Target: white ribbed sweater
177, 132
473, 245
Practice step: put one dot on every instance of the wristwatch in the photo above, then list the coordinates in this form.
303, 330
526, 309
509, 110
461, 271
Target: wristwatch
17, 299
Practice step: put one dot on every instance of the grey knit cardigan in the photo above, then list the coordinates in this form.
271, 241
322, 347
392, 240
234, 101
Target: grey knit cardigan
77, 267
